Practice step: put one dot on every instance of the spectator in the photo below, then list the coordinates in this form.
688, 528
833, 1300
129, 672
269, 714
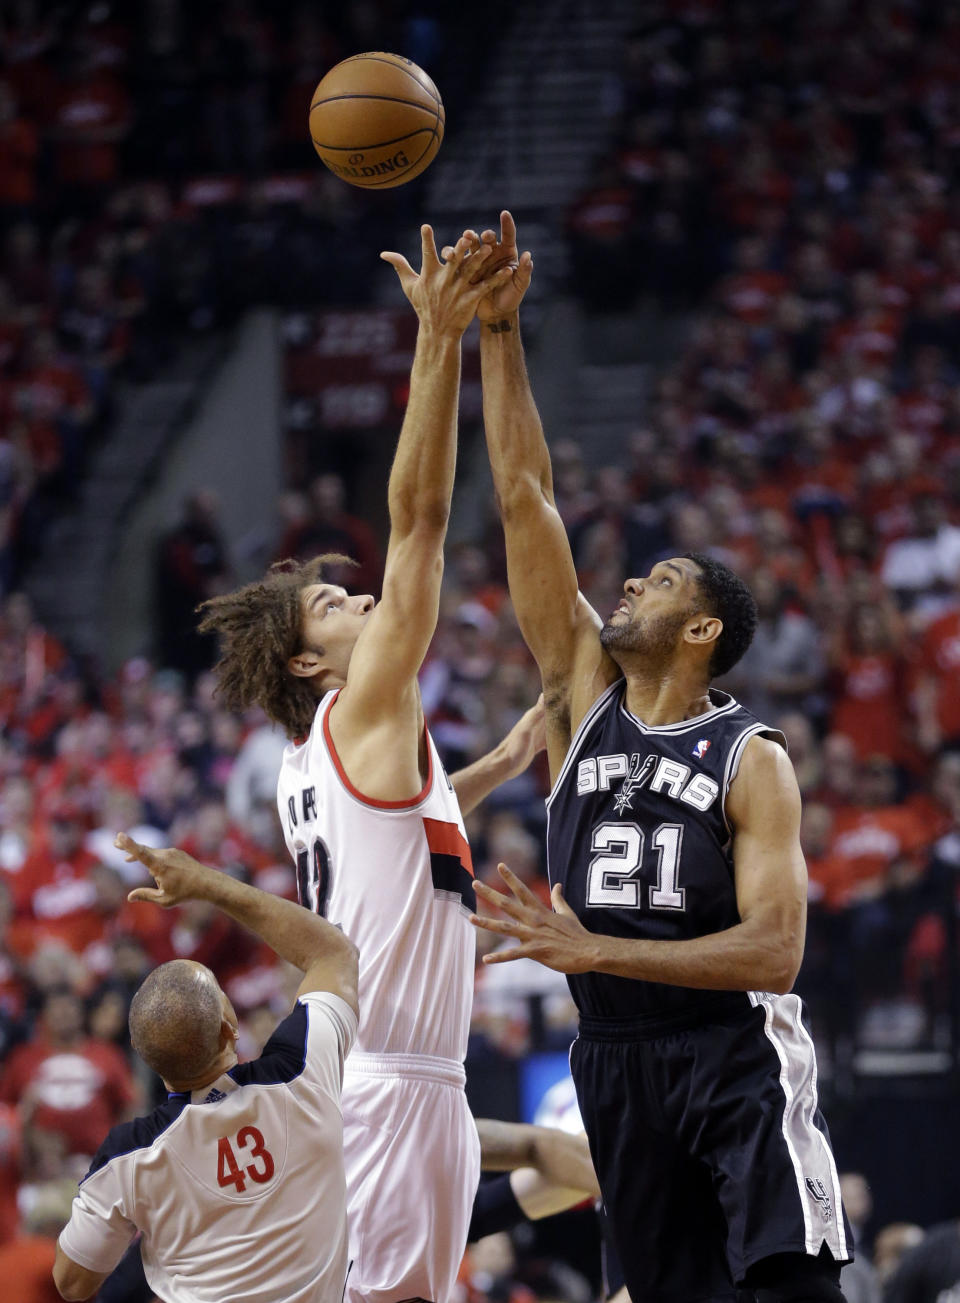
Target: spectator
252, 784
890, 1246
603, 250
10, 1159
19, 150
72, 1085
923, 567
26, 1261
870, 680
783, 667
329, 527
90, 120
937, 691
804, 750
54, 894
877, 842
192, 564
930, 1271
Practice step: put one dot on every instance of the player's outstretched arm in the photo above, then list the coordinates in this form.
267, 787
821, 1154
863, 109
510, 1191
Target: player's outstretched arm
507, 759
326, 957
760, 953
553, 1169
381, 682
558, 624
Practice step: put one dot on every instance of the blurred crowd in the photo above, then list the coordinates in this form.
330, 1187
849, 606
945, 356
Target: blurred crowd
156, 177
786, 174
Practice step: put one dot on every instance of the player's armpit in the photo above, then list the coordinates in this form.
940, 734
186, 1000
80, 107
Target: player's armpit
763, 806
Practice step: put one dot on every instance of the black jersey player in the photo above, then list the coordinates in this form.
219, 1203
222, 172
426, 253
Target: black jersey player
679, 894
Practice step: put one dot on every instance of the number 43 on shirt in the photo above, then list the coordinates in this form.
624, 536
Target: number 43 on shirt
229, 1171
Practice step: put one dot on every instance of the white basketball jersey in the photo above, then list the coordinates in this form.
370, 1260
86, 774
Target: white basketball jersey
396, 876
238, 1189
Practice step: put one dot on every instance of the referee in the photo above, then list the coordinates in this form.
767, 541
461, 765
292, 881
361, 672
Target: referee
236, 1183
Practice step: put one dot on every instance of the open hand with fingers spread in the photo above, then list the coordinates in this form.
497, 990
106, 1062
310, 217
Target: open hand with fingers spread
443, 296
178, 876
504, 295
555, 938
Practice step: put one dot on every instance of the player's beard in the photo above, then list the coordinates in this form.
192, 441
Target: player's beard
654, 639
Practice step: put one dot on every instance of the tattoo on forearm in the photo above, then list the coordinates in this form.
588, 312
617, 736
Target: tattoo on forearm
499, 327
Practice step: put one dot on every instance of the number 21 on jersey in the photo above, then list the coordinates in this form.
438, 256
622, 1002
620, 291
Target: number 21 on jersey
612, 874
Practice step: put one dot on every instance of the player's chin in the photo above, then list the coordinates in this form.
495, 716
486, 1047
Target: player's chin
612, 635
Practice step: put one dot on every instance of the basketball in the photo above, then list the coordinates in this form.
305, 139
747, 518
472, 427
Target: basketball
376, 120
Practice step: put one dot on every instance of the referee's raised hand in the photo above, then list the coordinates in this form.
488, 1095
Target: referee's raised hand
555, 938
178, 876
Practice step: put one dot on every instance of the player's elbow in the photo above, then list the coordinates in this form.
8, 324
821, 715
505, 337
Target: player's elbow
348, 957
72, 1283
782, 964
519, 495
413, 511
71, 1292
780, 983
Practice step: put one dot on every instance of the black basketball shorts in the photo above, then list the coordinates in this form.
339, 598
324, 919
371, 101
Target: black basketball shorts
709, 1147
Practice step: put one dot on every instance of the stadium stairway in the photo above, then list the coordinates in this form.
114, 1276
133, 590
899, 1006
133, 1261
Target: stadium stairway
528, 144
532, 135
66, 582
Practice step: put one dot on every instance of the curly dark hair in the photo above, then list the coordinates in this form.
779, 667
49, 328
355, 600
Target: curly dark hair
727, 597
260, 628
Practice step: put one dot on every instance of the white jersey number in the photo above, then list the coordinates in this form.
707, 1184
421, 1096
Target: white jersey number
611, 876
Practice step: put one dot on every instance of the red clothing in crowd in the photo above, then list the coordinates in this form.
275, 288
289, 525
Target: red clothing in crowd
10, 1145
940, 658
90, 115
50, 390
26, 1269
864, 846
869, 705
752, 296
605, 214
78, 1093
19, 145
55, 900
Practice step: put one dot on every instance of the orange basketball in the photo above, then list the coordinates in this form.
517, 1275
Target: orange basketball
376, 120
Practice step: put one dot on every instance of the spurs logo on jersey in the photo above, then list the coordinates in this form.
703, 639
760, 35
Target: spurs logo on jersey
660, 774
396, 876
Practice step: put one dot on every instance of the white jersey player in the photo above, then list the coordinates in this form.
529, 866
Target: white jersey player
236, 1183
374, 825
396, 876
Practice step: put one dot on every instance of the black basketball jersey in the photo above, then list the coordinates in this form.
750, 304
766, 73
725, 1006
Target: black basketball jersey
637, 837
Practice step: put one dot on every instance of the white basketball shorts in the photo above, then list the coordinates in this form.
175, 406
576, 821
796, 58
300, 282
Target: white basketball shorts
413, 1164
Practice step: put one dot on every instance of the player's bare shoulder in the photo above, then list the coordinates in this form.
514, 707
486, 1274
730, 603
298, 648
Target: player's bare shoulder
764, 783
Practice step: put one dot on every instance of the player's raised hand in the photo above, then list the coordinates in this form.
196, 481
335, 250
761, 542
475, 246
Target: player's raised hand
444, 298
555, 938
178, 876
503, 298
